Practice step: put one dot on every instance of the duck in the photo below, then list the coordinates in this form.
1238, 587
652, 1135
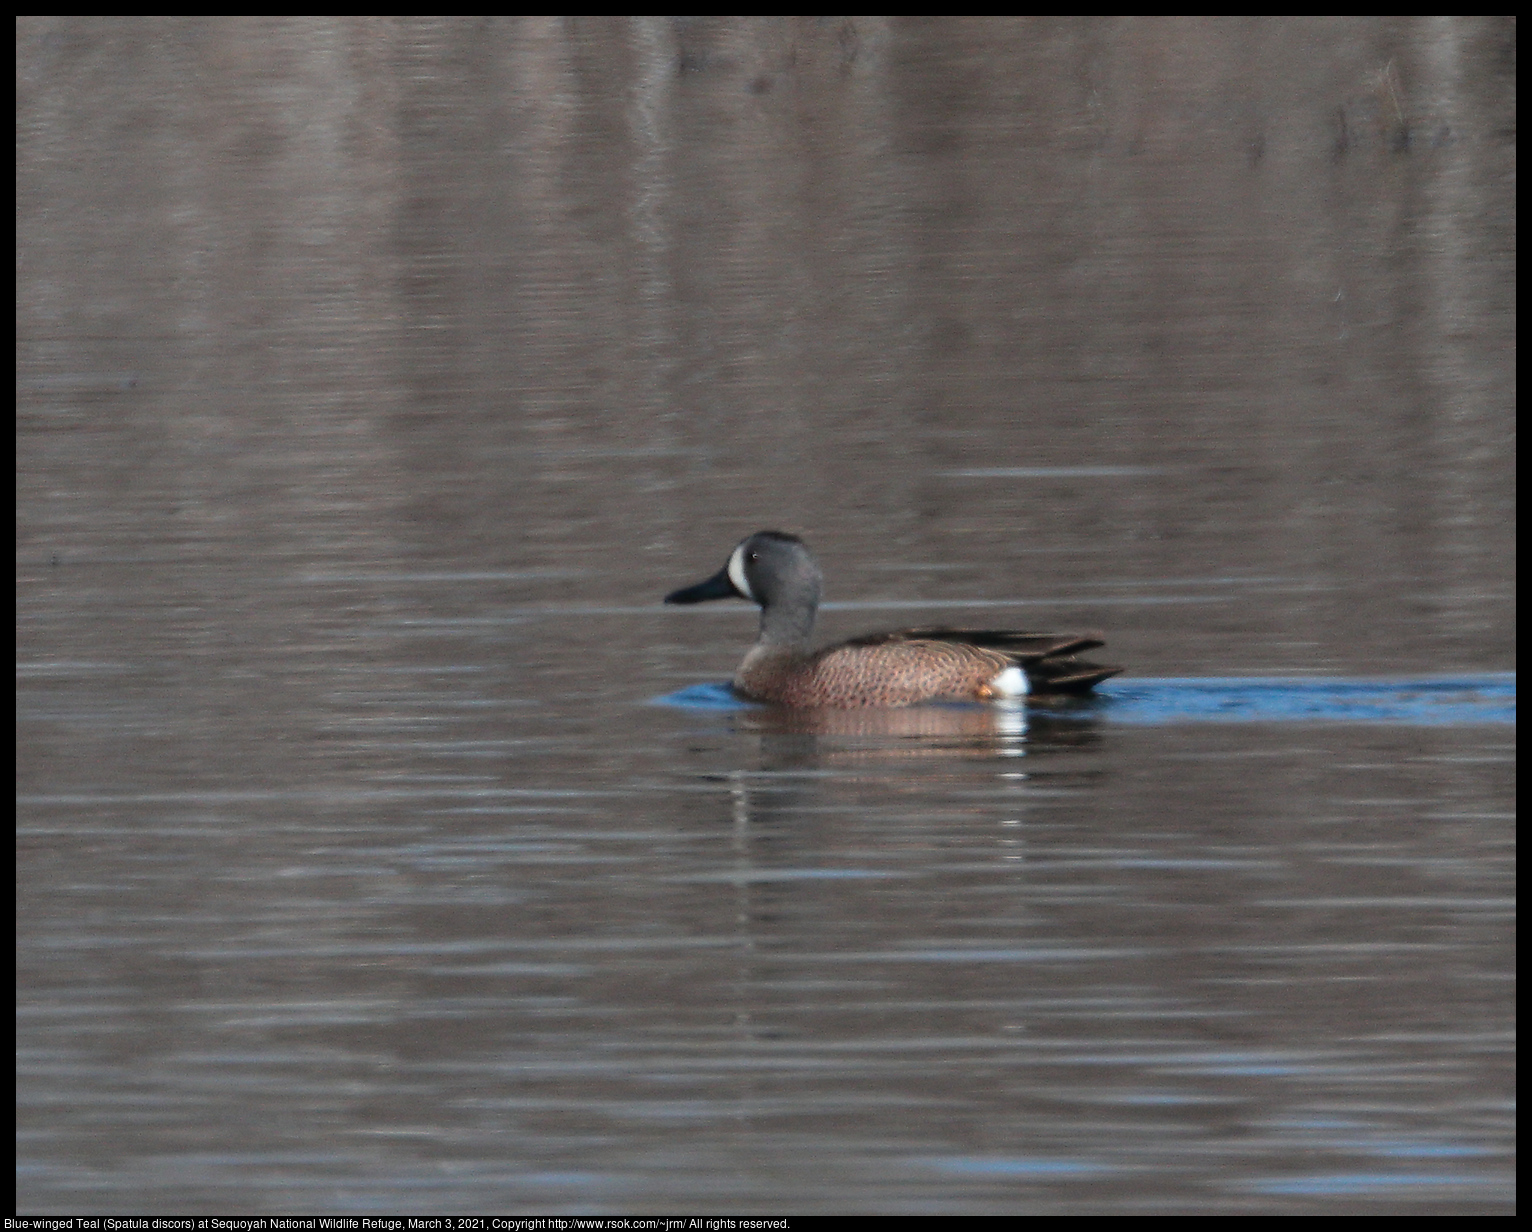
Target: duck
902, 667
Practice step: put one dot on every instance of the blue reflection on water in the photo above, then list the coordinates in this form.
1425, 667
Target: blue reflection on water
973, 1165
1236, 699
705, 697
1363, 1182
1489, 698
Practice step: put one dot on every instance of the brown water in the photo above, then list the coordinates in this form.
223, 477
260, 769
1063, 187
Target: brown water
376, 378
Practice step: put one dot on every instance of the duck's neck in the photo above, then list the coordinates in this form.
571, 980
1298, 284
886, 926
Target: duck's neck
787, 628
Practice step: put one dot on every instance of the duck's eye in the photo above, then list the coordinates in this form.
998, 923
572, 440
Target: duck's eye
755, 556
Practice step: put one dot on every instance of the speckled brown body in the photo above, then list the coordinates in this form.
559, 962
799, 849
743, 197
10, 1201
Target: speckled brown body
891, 674
908, 666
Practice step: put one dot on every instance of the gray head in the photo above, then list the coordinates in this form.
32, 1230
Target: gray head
771, 569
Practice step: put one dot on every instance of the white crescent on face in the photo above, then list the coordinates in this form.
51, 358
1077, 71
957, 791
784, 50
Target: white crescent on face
737, 573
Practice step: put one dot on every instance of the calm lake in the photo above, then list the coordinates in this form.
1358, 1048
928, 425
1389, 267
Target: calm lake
385, 846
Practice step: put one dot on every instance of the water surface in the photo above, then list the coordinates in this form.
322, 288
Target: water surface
377, 376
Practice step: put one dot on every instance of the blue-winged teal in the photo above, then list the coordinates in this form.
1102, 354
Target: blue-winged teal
899, 668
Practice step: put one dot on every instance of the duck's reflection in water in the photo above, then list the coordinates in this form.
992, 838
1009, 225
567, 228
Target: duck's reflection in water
803, 738
848, 817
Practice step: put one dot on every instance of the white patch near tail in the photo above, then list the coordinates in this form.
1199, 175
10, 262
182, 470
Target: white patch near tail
737, 572
1010, 683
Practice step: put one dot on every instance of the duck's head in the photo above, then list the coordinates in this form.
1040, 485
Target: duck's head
770, 568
